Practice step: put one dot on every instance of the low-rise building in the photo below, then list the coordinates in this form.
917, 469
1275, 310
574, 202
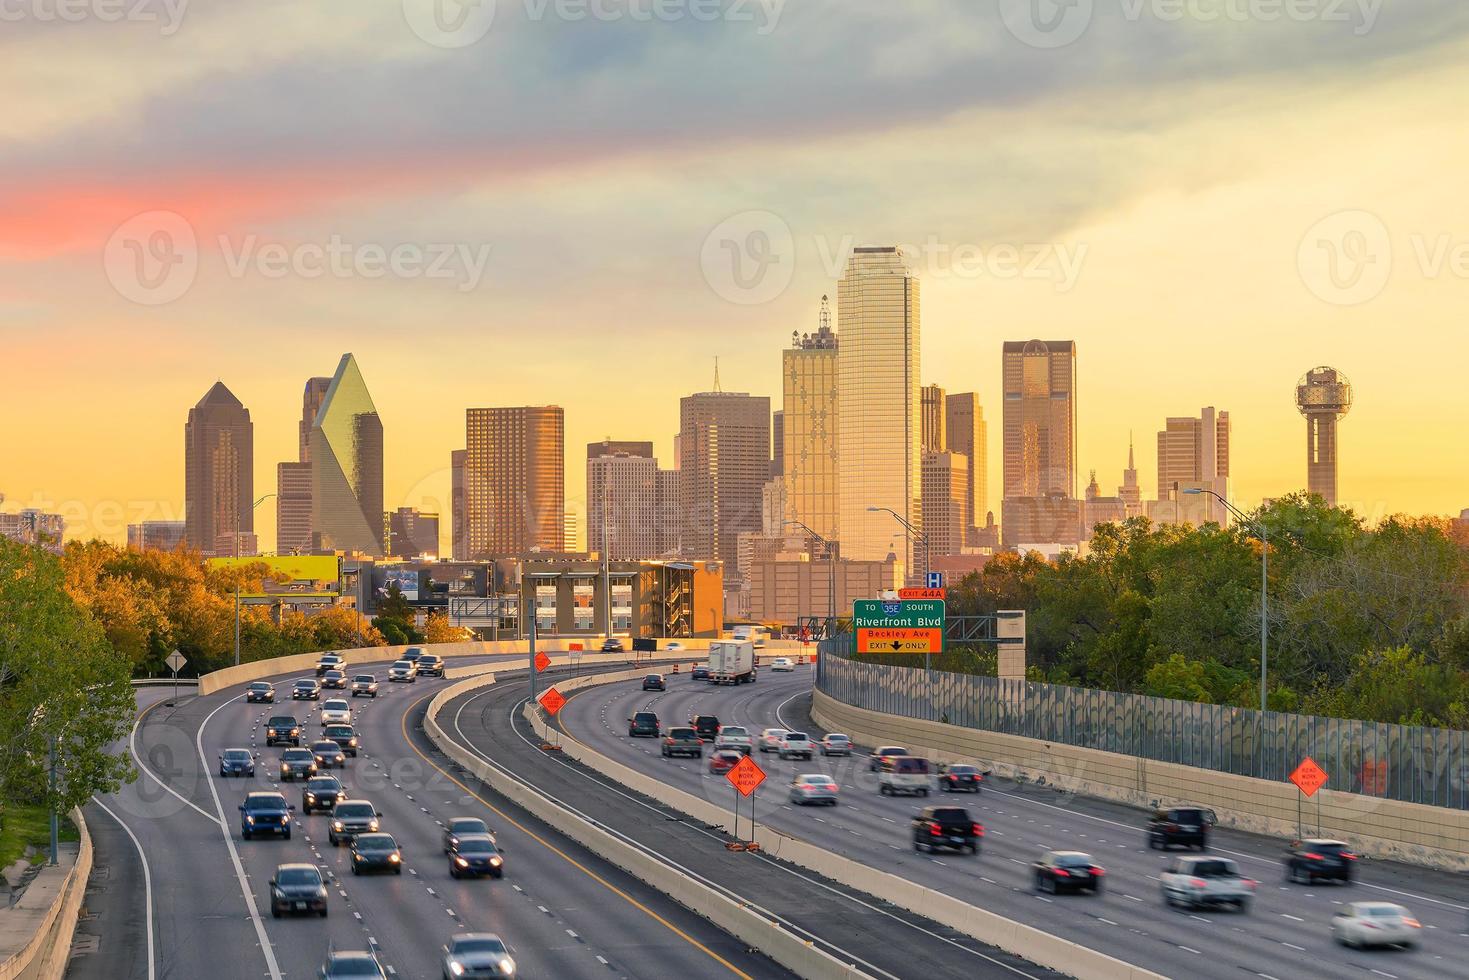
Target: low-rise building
156, 535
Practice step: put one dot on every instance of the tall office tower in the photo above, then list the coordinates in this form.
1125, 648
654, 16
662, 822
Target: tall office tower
515, 480
1193, 450
725, 440
774, 507
622, 506
669, 523
412, 533
219, 471
458, 520
1039, 420
777, 444
346, 450
1323, 395
945, 502
293, 480
1130, 493
879, 464
1097, 509
809, 369
965, 432
932, 399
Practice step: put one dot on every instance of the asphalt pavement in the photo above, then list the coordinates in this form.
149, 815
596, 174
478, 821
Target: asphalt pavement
1285, 935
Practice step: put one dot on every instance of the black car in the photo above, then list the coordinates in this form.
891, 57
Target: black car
321, 794
459, 827
946, 827
260, 691
707, 726
654, 682
297, 888
960, 779
329, 661
343, 735
282, 728
874, 761
643, 724
334, 679
613, 645
265, 813
306, 691
431, 665
351, 966
473, 955
376, 852
236, 762
297, 764
699, 672
1063, 871
328, 754
350, 818
1184, 825
1318, 859
475, 855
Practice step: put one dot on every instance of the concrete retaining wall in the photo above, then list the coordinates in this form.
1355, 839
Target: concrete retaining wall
36, 932
1424, 835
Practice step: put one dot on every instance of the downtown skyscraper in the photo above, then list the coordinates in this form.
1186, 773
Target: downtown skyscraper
723, 466
1038, 379
880, 429
622, 500
219, 474
293, 479
966, 433
513, 480
810, 418
346, 459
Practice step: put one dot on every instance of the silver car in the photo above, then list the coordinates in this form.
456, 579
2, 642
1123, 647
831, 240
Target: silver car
470, 955
1375, 924
812, 789
836, 744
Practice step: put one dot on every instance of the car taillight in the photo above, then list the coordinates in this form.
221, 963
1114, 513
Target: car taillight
1413, 922
1349, 857
1250, 883
832, 787
1197, 882
935, 830
1098, 872
1062, 873
1311, 856
978, 831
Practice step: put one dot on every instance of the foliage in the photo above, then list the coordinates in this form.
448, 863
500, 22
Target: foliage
395, 618
438, 630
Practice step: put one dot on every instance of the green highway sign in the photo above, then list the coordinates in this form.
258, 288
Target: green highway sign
884, 614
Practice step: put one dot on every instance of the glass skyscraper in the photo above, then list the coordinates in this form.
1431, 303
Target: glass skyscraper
346, 450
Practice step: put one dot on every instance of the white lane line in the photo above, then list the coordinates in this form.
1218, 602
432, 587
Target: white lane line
1293, 918
1133, 897
1108, 921
143, 767
1299, 949
572, 933
229, 842
1190, 949
603, 961
147, 883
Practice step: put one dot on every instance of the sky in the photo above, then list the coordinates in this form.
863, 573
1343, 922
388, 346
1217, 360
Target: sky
585, 202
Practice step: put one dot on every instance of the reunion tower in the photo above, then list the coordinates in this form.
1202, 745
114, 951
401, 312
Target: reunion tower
1323, 396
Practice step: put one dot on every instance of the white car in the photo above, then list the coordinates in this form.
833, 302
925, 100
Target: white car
1375, 924
785, 664
771, 738
336, 711
811, 789
674, 647
733, 737
403, 671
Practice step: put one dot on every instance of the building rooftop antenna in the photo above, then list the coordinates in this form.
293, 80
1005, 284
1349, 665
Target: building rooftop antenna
716, 373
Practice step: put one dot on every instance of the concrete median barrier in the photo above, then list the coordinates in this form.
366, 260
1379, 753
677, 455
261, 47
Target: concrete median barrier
36, 932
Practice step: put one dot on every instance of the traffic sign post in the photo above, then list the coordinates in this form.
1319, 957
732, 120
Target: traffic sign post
542, 662
552, 701
745, 777
175, 662
1308, 777
934, 580
904, 626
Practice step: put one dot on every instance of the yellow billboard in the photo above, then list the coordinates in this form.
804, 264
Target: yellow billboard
294, 575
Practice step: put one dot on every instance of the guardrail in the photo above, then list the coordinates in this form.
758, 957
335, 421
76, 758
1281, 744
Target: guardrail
36, 932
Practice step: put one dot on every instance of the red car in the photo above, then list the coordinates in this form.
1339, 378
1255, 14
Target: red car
724, 760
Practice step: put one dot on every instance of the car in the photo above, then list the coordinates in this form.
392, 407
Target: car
282, 728
458, 827
475, 855
236, 762
814, 788
298, 764
334, 679
364, 686
297, 888
836, 744
344, 735
430, 665
706, 725
796, 745
612, 645
733, 737
412, 654
328, 755
376, 852
1060, 871
770, 739
721, 762
477, 954
351, 965
947, 827
336, 711
682, 741
1183, 824
654, 682
403, 672
329, 661
643, 723
699, 672
783, 664
1365, 924
903, 774
960, 778
674, 647
306, 690
350, 818
1196, 882
260, 691
321, 793
874, 761
1318, 859
265, 813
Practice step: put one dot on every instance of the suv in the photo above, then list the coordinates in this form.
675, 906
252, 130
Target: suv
1192, 882
643, 723
1182, 824
706, 725
699, 672
321, 793
297, 762
874, 761
329, 661
654, 682
683, 741
297, 888
946, 826
796, 745
350, 818
403, 671
334, 679
265, 813
903, 774
430, 665
282, 728
364, 685
343, 735
1318, 859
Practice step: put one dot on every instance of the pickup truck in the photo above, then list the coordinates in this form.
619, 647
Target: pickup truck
683, 741
733, 737
1192, 882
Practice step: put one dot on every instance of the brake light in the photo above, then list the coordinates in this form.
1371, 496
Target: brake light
935, 830
1250, 883
1062, 873
1098, 872
1349, 857
1197, 882
1311, 856
978, 831
1412, 922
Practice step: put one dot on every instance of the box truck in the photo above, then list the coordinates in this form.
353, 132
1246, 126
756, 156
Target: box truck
731, 662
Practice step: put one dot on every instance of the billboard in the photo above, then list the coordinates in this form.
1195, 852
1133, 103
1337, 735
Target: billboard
309, 576
405, 578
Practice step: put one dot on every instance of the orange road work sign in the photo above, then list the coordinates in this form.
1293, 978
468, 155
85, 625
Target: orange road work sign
552, 701
1309, 777
746, 775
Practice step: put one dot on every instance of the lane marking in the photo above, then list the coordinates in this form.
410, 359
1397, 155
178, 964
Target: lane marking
147, 883
143, 767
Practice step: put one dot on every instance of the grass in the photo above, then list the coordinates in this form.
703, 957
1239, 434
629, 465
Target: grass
28, 825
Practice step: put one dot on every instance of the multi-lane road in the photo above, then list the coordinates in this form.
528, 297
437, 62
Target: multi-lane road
170, 855
1285, 935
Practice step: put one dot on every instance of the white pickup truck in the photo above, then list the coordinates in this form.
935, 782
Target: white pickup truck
1193, 882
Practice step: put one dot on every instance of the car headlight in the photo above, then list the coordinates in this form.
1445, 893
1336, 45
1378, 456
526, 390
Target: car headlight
310, 797
495, 862
321, 892
456, 968
249, 819
336, 825
284, 767
295, 731
372, 826
356, 856
461, 862
394, 858
285, 818
508, 965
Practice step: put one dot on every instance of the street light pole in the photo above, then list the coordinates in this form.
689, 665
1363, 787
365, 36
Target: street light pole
831, 588
1259, 527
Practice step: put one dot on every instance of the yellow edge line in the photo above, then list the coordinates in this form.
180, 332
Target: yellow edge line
567, 857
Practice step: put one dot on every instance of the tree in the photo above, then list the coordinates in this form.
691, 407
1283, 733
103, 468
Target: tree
438, 630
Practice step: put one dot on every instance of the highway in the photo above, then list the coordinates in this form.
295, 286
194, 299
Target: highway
1285, 935
565, 912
